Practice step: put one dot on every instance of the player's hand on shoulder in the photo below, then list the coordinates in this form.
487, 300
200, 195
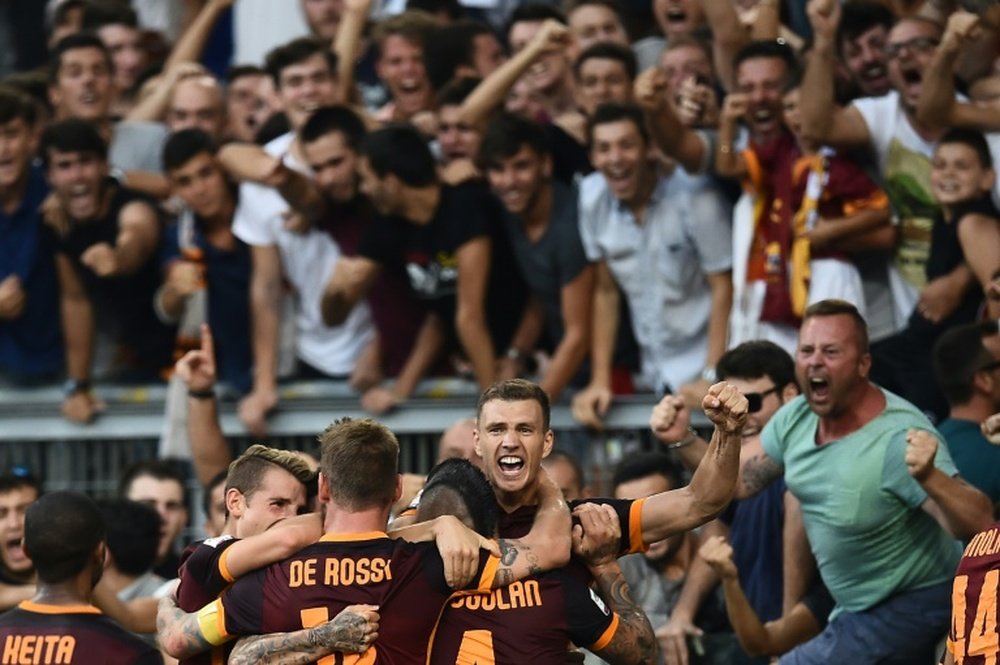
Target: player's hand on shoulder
596, 533
459, 547
353, 630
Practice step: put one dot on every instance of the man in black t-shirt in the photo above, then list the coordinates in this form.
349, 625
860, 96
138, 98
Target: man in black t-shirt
64, 536
541, 221
106, 240
449, 242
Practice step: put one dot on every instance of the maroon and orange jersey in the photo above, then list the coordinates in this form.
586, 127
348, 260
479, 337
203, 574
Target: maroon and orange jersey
405, 580
534, 620
974, 638
36, 634
204, 575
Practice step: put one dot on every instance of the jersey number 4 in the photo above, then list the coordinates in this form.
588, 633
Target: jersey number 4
314, 616
983, 638
476, 648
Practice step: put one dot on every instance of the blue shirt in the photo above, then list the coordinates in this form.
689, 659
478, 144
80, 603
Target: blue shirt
227, 275
30, 345
755, 532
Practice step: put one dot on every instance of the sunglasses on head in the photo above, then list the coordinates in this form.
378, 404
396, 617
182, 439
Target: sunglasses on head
755, 401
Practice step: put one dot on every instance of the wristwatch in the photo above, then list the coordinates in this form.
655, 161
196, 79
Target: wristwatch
709, 374
74, 386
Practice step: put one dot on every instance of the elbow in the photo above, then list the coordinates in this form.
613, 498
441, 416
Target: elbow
755, 647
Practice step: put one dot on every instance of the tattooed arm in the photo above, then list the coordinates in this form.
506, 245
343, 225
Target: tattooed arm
351, 631
755, 474
546, 546
178, 632
181, 634
595, 540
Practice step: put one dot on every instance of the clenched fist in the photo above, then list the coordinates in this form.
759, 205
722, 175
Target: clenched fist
726, 407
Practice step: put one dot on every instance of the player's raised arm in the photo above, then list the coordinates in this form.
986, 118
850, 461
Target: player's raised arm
711, 487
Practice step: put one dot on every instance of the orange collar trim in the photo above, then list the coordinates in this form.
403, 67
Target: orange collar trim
42, 608
351, 537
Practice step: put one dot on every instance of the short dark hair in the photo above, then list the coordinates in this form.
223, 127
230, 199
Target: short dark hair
608, 51
506, 134
96, 16
412, 25
570, 6
183, 146
400, 150
456, 91
133, 534
15, 105
755, 360
772, 48
616, 112
19, 478
452, 46
359, 460
835, 307
236, 72
534, 12
972, 139
72, 135
61, 533
958, 354
642, 465
73, 42
298, 50
329, 119
469, 483
858, 17
450, 8
516, 390
158, 469
246, 472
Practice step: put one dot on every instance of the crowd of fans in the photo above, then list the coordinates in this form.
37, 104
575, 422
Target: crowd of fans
604, 196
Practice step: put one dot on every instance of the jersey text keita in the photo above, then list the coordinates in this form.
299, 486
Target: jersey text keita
38, 649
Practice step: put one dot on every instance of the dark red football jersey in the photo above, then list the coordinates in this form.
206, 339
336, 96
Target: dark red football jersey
974, 638
35, 634
204, 575
405, 580
535, 620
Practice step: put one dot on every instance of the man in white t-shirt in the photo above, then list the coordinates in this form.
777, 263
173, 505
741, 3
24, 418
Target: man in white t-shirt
902, 145
305, 80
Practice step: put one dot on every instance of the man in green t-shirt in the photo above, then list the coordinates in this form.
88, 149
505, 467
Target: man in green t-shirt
881, 499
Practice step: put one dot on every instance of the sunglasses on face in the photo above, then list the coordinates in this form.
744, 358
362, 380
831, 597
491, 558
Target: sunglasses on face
755, 401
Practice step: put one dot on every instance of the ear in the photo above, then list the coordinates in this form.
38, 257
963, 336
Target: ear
475, 441
323, 493
547, 166
550, 440
399, 488
983, 382
235, 502
102, 556
790, 391
864, 365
